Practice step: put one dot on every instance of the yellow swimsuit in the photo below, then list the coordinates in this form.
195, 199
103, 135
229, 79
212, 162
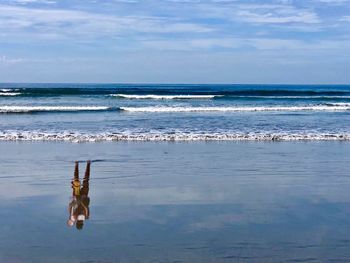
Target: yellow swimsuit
76, 187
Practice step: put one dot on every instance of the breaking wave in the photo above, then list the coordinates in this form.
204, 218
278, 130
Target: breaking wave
33, 109
8, 90
165, 97
341, 107
81, 137
164, 109
10, 93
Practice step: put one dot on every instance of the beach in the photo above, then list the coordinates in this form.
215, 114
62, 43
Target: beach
177, 202
174, 131
174, 173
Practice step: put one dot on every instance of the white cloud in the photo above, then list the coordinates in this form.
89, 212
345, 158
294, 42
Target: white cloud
277, 16
345, 18
193, 44
6, 60
255, 13
335, 2
24, 2
62, 23
274, 14
244, 43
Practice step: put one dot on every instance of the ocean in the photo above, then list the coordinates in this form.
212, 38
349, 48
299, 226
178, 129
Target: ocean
120, 112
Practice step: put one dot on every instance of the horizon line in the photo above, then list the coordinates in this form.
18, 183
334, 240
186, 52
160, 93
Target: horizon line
179, 83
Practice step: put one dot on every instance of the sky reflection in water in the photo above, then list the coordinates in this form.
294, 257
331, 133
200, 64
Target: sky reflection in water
177, 202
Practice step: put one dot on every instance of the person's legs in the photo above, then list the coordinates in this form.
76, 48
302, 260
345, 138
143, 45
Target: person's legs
85, 188
87, 170
76, 171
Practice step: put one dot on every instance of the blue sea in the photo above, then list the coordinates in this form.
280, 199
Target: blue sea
117, 112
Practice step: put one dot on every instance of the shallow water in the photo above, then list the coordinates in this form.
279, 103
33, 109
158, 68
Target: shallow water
178, 202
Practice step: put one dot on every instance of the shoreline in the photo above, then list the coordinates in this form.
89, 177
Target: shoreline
75, 137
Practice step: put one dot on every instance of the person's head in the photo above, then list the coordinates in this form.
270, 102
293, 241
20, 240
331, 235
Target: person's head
79, 225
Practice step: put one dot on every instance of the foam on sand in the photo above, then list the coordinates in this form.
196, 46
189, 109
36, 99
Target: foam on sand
189, 136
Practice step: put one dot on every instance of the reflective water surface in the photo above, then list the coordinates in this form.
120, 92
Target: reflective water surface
175, 202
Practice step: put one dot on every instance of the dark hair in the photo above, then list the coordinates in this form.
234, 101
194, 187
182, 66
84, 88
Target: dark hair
79, 225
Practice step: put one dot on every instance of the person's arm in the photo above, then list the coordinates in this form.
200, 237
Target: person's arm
86, 211
70, 208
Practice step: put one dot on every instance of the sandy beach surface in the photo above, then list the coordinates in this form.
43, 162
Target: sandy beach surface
177, 202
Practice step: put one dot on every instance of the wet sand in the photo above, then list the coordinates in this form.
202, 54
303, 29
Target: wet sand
177, 202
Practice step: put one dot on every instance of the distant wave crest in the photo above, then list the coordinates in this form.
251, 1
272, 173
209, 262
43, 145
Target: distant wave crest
8, 90
165, 97
10, 93
31, 109
130, 91
341, 107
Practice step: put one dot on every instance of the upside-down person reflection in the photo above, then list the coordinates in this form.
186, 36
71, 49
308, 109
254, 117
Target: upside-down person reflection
79, 204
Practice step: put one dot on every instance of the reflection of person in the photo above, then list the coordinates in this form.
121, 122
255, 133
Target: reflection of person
80, 201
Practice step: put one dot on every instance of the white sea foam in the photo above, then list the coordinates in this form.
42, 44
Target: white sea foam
80, 137
238, 109
164, 109
169, 97
10, 93
294, 97
165, 97
27, 109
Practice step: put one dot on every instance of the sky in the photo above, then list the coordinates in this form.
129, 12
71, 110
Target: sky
175, 41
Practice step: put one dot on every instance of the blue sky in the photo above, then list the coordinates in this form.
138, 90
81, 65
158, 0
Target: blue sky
175, 41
